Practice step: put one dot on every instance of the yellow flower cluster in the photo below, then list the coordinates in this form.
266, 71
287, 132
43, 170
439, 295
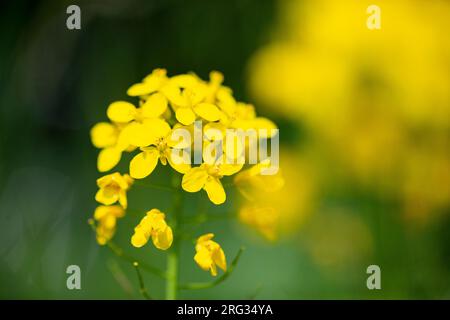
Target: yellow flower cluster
150, 129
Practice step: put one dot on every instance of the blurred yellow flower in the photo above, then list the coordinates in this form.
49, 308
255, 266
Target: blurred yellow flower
113, 188
153, 225
276, 205
106, 217
366, 98
264, 219
209, 255
252, 180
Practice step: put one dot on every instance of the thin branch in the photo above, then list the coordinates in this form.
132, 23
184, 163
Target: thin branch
142, 289
206, 285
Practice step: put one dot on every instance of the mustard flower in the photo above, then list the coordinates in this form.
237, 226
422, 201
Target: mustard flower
113, 188
154, 138
207, 176
151, 84
110, 138
264, 219
209, 255
106, 217
153, 225
189, 102
239, 115
251, 181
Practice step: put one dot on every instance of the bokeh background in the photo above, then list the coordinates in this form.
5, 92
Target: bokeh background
364, 129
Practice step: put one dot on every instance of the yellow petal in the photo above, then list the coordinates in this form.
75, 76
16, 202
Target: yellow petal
184, 80
144, 163
172, 92
208, 111
215, 191
219, 259
163, 240
123, 142
179, 160
155, 106
105, 197
101, 212
194, 180
123, 198
203, 259
138, 239
159, 128
121, 111
108, 158
185, 116
104, 135
141, 89
140, 134
205, 237
226, 169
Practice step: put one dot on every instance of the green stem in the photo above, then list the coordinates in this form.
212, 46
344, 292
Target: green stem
173, 254
172, 273
142, 288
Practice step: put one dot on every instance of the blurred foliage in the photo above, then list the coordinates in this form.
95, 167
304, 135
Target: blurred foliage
56, 83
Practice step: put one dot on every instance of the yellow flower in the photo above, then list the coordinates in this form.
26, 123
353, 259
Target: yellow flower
106, 217
241, 115
124, 112
207, 177
252, 180
209, 255
154, 138
151, 84
190, 103
110, 138
113, 188
153, 225
264, 219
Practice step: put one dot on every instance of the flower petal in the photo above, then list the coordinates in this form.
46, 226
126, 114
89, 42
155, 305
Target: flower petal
163, 240
138, 239
105, 197
185, 115
226, 169
194, 180
203, 259
121, 111
104, 135
219, 259
179, 160
140, 135
155, 106
215, 191
108, 158
144, 163
208, 111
